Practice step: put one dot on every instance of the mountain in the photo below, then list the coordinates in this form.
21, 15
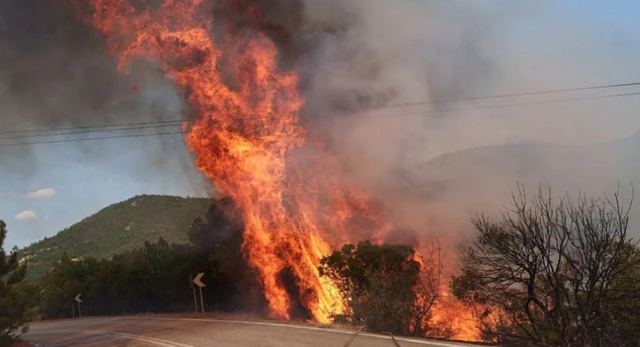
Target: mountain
446, 191
117, 228
567, 167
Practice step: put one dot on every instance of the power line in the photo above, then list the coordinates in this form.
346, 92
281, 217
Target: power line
89, 139
519, 94
112, 128
417, 113
176, 121
88, 131
553, 101
399, 105
497, 106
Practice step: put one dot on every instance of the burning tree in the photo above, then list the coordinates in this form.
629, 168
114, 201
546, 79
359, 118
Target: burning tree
247, 137
562, 272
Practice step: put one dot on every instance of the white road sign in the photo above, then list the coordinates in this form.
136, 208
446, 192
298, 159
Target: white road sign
198, 280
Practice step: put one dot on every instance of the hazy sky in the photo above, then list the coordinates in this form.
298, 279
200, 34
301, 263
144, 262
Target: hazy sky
516, 46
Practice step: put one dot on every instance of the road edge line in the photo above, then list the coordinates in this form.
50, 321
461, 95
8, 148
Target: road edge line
294, 326
155, 340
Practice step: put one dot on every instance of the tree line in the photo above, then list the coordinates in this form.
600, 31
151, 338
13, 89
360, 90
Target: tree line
156, 278
547, 272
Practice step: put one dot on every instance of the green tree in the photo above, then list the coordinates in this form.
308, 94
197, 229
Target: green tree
563, 271
381, 284
68, 278
154, 278
157, 277
217, 244
14, 303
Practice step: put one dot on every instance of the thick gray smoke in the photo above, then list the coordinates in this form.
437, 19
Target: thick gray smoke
436, 164
56, 72
433, 164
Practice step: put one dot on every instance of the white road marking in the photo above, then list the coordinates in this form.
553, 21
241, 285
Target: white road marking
152, 340
293, 326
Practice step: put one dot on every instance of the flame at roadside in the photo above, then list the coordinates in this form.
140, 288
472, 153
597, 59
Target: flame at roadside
247, 129
249, 141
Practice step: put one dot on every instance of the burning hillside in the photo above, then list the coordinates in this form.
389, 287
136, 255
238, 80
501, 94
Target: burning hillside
249, 140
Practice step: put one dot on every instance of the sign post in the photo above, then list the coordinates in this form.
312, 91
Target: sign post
195, 298
78, 300
198, 282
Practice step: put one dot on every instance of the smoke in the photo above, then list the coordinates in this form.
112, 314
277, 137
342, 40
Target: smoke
435, 165
56, 72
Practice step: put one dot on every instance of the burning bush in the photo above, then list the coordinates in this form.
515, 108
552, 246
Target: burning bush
383, 287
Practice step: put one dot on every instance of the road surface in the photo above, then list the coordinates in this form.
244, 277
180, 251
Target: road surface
146, 331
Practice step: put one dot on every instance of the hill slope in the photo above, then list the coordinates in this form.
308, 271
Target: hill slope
446, 191
117, 228
592, 168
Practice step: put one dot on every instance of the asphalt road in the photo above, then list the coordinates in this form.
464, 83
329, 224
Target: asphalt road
196, 332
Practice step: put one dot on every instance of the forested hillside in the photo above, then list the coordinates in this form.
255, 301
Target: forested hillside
117, 228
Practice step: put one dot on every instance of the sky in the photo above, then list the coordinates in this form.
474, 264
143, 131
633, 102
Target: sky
473, 47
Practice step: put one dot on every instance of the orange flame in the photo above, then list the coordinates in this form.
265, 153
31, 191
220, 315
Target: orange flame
246, 137
457, 316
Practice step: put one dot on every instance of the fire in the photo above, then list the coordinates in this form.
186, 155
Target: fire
245, 139
457, 316
449, 316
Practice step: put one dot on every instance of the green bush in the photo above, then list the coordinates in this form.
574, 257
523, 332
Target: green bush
15, 303
381, 284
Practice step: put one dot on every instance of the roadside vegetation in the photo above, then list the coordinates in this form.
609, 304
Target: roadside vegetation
155, 278
558, 272
385, 287
547, 272
15, 304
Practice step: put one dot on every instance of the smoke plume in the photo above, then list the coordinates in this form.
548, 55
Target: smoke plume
432, 165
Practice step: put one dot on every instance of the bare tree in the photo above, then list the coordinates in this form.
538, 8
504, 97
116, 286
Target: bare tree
554, 268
